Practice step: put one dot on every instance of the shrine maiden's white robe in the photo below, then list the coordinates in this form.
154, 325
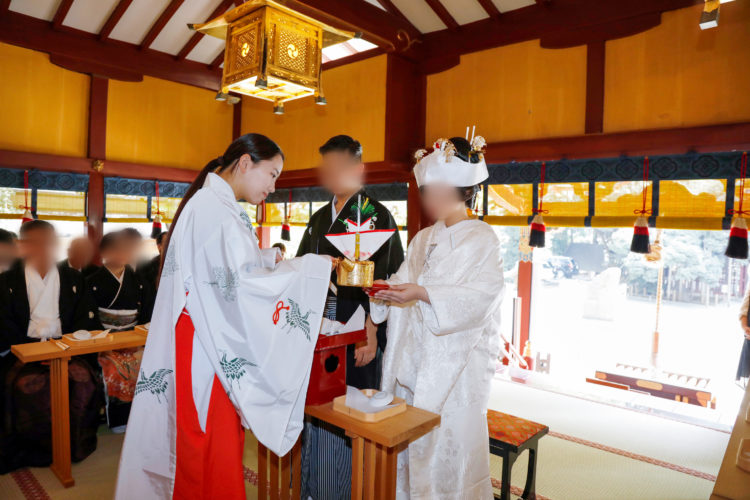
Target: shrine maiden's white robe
261, 355
441, 357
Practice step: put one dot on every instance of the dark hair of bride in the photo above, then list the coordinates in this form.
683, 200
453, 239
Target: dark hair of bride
463, 151
257, 146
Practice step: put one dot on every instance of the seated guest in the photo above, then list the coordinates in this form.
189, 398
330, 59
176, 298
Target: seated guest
133, 240
8, 250
149, 271
38, 301
80, 255
122, 300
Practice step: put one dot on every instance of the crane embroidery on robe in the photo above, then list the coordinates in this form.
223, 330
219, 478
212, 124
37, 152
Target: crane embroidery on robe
234, 369
155, 383
227, 281
295, 320
170, 262
246, 219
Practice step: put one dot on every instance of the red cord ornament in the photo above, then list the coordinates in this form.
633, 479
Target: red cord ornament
27, 214
737, 248
640, 243
156, 226
538, 229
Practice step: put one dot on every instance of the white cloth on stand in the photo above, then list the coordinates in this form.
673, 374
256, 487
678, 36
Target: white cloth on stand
441, 357
44, 303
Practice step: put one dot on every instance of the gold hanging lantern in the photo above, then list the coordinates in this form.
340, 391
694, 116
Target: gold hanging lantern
272, 52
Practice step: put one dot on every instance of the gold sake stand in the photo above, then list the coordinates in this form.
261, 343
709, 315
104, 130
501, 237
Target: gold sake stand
355, 272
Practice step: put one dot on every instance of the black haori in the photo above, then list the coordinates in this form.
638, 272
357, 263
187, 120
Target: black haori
737, 247
640, 243
538, 229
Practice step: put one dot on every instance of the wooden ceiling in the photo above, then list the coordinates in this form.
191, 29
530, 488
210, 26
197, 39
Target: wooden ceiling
126, 39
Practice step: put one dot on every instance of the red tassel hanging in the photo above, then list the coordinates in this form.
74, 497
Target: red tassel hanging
286, 229
737, 246
538, 229
27, 215
156, 226
640, 243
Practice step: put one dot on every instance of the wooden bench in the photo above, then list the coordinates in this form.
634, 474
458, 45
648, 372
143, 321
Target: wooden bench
509, 437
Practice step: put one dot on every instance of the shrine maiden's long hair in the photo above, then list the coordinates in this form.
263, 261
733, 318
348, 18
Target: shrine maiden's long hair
258, 146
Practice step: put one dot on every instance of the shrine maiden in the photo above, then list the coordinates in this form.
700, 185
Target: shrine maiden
443, 312
230, 343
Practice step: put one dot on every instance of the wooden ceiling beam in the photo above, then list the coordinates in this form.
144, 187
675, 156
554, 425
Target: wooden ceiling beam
62, 11
164, 18
393, 10
87, 51
443, 14
114, 18
217, 61
190, 45
490, 8
560, 23
4, 5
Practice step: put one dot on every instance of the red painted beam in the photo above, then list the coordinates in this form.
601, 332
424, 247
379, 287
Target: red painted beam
62, 11
4, 4
375, 173
709, 138
114, 18
164, 18
443, 14
97, 131
595, 54
37, 34
217, 61
93, 68
489, 8
190, 45
59, 163
393, 10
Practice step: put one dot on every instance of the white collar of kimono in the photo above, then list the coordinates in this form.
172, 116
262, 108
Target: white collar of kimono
450, 232
220, 187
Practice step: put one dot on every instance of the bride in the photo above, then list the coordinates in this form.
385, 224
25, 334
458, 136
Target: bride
443, 313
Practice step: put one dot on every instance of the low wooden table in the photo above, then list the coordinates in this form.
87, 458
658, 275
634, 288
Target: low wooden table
375, 447
58, 358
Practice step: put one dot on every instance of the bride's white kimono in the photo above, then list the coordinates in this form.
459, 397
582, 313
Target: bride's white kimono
214, 269
441, 357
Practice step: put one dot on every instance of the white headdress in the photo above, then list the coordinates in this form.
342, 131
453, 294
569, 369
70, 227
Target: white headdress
444, 167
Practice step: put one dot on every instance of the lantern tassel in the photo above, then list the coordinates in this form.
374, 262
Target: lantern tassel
286, 229
538, 230
156, 226
640, 243
737, 247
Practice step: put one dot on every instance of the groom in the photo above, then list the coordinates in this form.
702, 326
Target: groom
326, 452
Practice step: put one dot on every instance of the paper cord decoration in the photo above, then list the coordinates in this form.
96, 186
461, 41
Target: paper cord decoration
27, 215
369, 242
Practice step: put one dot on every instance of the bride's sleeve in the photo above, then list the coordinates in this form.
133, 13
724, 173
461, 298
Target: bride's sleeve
258, 328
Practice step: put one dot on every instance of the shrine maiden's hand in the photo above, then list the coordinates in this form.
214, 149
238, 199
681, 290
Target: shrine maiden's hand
334, 261
365, 352
745, 327
401, 294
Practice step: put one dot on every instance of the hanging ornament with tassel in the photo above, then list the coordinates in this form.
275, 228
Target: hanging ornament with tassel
737, 247
27, 214
640, 243
156, 226
538, 229
286, 229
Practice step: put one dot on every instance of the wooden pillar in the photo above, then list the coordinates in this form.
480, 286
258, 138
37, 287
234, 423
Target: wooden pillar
97, 147
525, 270
405, 125
595, 55
264, 236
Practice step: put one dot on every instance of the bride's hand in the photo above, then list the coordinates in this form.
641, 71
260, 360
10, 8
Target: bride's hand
401, 294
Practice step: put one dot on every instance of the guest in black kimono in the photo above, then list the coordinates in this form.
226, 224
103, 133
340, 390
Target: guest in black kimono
8, 250
149, 271
122, 299
326, 453
80, 256
38, 301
